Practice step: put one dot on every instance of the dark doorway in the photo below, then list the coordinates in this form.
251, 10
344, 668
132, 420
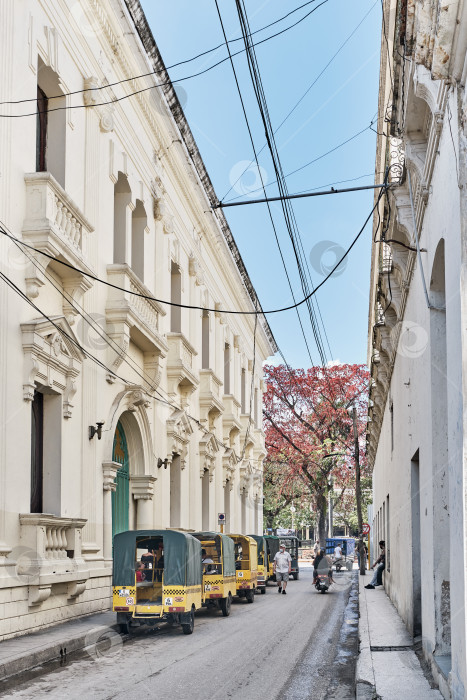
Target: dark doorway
37, 452
416, 555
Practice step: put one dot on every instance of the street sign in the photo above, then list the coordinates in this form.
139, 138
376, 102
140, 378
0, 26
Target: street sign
221, 518
366, 529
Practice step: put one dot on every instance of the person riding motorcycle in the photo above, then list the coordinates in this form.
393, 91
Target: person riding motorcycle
322, 564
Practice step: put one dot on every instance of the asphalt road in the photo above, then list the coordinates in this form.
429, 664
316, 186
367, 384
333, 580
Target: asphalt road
300, 646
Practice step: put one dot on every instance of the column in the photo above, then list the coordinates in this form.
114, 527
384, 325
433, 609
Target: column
142, 489
109, 471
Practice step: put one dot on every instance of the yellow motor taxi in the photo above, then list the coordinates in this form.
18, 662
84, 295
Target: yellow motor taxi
263, 563
246, 566
156, 577
219, 582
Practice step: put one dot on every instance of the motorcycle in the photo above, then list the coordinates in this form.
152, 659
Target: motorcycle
322, 582
338, 563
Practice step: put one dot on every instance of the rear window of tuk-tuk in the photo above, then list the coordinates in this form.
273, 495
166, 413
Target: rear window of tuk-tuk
228, 549
182, 557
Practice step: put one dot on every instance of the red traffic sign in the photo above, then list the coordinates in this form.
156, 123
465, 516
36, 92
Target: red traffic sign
366, 529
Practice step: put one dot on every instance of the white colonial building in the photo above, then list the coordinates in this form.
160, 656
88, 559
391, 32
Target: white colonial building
117, 410
417, 437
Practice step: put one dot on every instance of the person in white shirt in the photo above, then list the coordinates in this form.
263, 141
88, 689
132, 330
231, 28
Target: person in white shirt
337, 552
282, 566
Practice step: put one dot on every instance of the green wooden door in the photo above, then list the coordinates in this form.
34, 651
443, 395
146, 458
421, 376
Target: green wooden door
121, 496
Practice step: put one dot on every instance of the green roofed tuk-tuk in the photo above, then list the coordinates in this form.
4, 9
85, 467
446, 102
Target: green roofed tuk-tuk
291, 545
219, 583
263, 562
272, 547
156, 577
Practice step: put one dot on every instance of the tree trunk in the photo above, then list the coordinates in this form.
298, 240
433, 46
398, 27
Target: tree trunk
321, 507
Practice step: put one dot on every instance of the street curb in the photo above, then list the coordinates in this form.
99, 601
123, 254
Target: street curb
365, 683
69, 644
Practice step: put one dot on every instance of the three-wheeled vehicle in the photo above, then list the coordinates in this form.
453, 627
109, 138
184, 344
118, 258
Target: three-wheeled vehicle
347, 545
156, 577
272, 546
291, 545
246, 566
219, 581
263, 562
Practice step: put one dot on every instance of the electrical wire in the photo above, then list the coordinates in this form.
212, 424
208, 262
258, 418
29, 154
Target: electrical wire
312, 84
93, 358
315, 160
120, 351
166, 68
262, 182
287, 209
188, 306
150, 87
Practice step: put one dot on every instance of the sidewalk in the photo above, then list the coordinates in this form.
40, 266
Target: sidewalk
387, 665
23, 653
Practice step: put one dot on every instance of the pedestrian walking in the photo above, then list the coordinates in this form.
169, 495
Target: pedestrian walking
316, 548
282, 566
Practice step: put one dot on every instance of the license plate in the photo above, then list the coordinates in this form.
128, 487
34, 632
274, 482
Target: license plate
123, 592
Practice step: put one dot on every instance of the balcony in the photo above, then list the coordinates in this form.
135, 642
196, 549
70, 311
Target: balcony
231, 424
209, 395
131, 317
55, 225
180, 375
51, 554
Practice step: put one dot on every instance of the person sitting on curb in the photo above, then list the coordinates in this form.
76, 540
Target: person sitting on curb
377, 579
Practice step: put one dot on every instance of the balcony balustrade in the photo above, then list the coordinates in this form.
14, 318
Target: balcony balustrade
51, 554
55, 225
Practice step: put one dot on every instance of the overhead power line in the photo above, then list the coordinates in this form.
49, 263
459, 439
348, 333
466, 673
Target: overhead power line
189, 306
314, 160
262, 181
312, 84
287, 210
145, 75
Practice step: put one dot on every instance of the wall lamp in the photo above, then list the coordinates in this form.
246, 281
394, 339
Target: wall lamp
161, 462
96, 430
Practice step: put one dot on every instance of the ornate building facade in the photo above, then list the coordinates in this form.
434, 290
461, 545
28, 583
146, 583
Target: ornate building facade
118, 410
416, 436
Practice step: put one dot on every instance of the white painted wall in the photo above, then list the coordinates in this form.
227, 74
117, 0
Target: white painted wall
137, 137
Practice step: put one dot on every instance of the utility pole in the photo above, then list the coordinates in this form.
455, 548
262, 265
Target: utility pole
358, 491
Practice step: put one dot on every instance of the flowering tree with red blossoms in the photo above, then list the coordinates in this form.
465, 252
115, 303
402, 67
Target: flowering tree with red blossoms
309, 434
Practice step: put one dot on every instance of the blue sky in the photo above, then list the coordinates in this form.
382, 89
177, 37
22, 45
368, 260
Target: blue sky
342, 102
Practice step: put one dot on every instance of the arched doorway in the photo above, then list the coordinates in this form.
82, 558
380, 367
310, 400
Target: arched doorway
121, 495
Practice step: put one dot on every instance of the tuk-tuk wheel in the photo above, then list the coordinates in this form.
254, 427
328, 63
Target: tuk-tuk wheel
226, 605
189, 627
296, 576
263, 590
124, 627
250, 596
